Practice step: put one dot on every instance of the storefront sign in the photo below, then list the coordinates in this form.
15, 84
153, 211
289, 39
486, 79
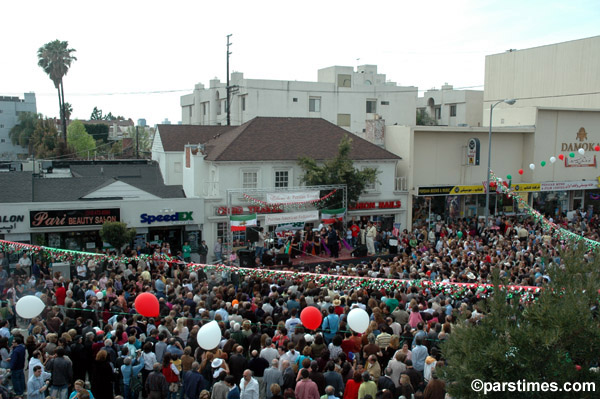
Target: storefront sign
280, 218
9, 222
451, 190
569, 185
581, 161
78, 217
375, 205
243, 210
473, 149
286, 198
526, 187
173, 217
581, 136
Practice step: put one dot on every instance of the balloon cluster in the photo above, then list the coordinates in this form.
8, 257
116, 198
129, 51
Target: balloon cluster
581, 151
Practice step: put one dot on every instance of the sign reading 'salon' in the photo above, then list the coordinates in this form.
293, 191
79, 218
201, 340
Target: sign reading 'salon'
78, 217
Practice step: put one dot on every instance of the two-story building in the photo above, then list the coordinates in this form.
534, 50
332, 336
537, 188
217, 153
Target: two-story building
263, 154
10, 109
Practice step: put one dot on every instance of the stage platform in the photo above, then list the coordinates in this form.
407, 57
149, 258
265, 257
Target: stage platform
308, 262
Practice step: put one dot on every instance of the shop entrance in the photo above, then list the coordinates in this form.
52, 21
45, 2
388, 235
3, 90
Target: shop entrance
159, 235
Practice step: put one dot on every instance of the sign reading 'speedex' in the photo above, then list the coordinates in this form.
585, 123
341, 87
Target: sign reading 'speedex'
78, 217
174, 217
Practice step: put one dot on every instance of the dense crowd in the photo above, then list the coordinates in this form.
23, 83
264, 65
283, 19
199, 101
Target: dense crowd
89, 341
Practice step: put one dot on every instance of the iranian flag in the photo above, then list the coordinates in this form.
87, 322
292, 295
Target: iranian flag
331, 215
239, 222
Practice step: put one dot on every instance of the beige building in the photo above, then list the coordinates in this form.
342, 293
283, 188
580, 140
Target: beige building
561, 75
436, 162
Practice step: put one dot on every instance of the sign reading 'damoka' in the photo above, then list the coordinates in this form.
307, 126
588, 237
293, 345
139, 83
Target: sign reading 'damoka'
581, 142
77, 217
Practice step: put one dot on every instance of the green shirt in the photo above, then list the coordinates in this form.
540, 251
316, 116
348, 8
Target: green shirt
187, 251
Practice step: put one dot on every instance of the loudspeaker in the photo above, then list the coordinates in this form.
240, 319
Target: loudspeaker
252, 233
267, 259
393, 249
359, 251
282, 259
246, 257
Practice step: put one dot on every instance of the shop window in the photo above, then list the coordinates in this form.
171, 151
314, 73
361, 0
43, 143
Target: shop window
281, 178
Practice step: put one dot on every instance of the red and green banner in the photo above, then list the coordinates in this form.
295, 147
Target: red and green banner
332, 215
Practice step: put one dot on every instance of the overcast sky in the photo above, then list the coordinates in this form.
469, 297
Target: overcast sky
136, 58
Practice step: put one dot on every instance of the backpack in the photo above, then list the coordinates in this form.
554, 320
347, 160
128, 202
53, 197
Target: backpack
135, 385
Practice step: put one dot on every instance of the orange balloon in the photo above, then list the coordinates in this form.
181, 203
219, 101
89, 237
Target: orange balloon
235, 302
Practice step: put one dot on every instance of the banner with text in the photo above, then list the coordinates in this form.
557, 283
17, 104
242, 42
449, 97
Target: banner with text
286, 197
296, 217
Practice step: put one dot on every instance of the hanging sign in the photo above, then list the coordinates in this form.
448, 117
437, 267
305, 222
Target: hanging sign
296, 217
287, 197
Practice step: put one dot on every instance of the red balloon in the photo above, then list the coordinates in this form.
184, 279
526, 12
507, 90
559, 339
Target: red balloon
311, 317
146, 304
597, 148
561, 156
520, 171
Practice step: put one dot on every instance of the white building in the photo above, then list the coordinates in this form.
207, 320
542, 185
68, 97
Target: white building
341, 95
263, 154
561, 75
10, 109
449, 107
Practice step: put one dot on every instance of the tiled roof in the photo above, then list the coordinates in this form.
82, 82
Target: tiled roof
175, 137
271, 139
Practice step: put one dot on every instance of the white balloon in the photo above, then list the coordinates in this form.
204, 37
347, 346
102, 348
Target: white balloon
209, 336
581, 151
532, 166
552, 159
358, 320
99, 295
30, 306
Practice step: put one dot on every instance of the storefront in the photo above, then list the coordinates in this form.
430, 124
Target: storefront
387, 214
76, 225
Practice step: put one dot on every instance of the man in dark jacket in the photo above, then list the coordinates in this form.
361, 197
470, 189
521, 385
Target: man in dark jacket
289, 377
17, 364
156, 384
334, 379
386, 382
316, 376
238, 363
193, 382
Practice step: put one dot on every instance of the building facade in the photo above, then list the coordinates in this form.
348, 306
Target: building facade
341, 95
10, 109
442, 171
449, 107
561, 75
262, 156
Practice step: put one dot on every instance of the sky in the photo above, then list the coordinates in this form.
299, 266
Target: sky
137, 58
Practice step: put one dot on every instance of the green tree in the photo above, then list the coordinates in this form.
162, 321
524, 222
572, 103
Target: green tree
339, 170
55, 58
79, 140
144, 137
46, 141
555, 338
20, 134
68, 111
117, 234
96, 114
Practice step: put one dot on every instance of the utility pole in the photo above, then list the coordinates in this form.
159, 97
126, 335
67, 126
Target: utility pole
228, 88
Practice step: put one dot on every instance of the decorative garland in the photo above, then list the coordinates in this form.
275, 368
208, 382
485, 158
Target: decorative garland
456, 290
298, 204
546, 224
67, 255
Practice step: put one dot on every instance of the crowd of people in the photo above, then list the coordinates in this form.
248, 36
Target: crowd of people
89, 342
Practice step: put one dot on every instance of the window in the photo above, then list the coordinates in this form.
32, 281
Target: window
295, 99
371, 106
344, 80
371, 186
314, 104
343, 120
385, 103
1, 111
249, 179
191, 111
218, 107
222, 231
243, 102
281, 178
2, 141
438, 113
204, 108
453, 110
177, 167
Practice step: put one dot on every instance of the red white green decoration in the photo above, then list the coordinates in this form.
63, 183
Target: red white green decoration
332, 215
239, 222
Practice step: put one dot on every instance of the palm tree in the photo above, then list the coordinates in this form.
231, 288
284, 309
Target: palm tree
55, 58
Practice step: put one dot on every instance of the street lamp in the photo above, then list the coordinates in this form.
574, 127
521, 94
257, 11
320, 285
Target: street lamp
489, 170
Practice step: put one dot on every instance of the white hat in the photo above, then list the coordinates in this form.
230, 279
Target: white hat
216, 363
